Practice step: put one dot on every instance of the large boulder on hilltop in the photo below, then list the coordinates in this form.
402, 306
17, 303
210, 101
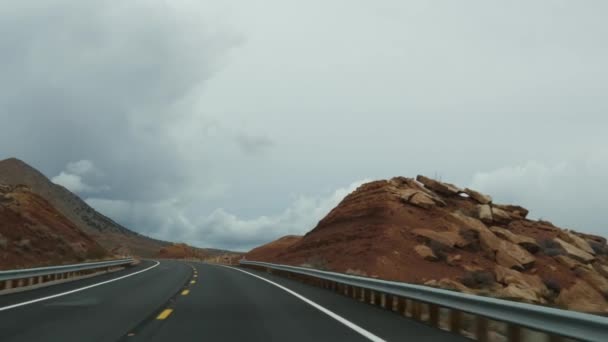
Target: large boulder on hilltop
575, 252
526, 242
500, 216
484, 212
478, 196
446, 238
470, 223
515, 211
440, 187
583, 297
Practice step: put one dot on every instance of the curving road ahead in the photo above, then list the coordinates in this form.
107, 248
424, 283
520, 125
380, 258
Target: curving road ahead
179, 301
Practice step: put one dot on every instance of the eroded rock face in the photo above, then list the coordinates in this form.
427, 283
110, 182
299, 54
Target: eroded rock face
574, 252
447, 238
440, 187
425, 252
500, 216
515, 211
583, 297
478, 196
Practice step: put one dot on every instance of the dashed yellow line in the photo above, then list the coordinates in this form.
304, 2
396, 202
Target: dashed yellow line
185, 292
193, 282
166, 313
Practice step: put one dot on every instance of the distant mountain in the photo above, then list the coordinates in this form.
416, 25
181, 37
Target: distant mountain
34, 233
102, 229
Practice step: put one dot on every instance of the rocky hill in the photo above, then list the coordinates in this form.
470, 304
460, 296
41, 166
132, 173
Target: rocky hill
108, 233
434, 233
33, 233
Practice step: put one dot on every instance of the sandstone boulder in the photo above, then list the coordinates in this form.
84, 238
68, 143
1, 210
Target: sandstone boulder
601, 269
526, 242
426, 253
594, 279
576, 241
446, 238
508, 276
440, 187
422, 200
454, 260
567, 261
583, 297
519, 293
478, 196
484, 212
511, 255
574, 252
515, 211
500, 216
470, 223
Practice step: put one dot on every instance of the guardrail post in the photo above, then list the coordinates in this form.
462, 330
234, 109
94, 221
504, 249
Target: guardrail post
513, 333
434, 315
455, 321
481, 328
416, 310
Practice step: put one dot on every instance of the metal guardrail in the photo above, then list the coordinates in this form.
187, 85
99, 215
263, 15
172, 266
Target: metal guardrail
552, 321
46, 271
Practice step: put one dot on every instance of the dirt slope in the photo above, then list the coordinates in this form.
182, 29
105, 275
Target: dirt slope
33, 233
428, 232
108, 233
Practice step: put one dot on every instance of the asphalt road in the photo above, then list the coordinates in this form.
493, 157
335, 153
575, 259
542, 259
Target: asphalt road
179, 301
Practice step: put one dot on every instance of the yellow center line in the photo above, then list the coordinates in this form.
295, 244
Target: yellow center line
166, 313
196, 275
185, 292
193, 282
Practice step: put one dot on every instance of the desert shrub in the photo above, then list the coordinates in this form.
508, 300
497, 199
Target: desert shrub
478, 279
552, 285
599, 248
551, 248
439, 250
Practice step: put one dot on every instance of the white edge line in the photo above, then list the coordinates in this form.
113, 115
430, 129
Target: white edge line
76, 290
331, 314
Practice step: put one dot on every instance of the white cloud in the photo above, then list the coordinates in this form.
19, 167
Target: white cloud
568, 193
72, 177
222, 229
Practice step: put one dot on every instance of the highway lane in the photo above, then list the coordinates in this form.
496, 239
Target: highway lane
227, 304
101, 313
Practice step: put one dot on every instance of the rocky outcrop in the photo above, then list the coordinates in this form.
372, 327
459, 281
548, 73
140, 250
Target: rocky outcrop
439, 187
567, 261
582, 297
425, 253
516, 212
478, 196
574, 252
511, 255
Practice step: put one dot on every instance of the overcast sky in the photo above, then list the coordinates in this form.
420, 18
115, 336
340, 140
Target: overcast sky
231, 123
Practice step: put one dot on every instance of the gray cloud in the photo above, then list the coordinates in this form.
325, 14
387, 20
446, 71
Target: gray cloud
154, 94
250, 144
